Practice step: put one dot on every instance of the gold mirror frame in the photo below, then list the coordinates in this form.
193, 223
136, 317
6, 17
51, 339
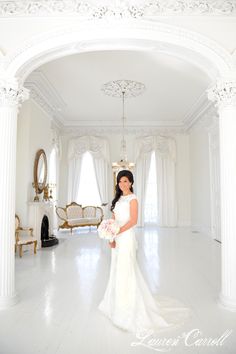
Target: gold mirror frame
39, 186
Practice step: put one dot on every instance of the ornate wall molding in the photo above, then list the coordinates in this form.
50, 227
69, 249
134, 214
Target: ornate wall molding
46, 96
107, 131
121, 9
97, 35
199, 108
223, 93
56, 142
12, 93
205, 120
40, 100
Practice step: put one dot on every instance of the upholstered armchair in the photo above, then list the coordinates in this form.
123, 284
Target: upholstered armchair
23, 236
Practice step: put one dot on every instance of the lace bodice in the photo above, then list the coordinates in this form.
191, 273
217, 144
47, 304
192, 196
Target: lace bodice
122, 209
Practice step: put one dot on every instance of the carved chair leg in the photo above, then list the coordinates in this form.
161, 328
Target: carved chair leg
20, 250
35, 247
15, 248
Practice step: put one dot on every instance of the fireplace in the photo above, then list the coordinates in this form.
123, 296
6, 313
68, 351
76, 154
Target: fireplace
46, 239
37, 211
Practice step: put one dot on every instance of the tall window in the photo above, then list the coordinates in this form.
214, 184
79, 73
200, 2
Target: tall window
88, 193
150, 206
52, 175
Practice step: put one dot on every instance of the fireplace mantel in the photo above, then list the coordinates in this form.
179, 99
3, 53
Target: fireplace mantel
37, 210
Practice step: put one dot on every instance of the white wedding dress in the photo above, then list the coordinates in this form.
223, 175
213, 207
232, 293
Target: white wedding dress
128, 301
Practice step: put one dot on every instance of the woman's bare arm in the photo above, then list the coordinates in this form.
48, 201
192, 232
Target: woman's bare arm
113, 243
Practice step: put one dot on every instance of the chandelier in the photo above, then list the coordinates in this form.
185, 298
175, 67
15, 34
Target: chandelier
123, 89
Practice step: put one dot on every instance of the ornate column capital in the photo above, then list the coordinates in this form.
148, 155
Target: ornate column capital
12, 93
223, 93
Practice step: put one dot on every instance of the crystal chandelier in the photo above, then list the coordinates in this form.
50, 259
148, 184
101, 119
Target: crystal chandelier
123, 89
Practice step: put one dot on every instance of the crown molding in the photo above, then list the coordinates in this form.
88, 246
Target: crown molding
46, 96
104, 131
197, 114
117, 9
206, 121
200, 107
80, 123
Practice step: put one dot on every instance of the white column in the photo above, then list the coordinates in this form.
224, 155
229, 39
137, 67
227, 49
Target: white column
10, 97
224, 94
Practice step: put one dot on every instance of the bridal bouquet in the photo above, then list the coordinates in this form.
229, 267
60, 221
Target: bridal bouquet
108, 229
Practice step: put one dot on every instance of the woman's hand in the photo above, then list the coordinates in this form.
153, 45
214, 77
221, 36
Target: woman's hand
119, 232
112, 244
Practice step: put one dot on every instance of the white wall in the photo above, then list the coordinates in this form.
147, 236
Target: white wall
183, 186
23, 166
63, 173
200, 181
33, 133
182, 171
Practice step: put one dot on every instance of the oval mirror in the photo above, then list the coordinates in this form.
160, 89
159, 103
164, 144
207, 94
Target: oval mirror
40, 171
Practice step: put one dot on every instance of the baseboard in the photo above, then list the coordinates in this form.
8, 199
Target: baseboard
184, 224
201, 229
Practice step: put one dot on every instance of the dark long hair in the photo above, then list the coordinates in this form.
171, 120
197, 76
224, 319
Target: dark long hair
123, 173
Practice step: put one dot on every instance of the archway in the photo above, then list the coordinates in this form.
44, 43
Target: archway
112, 35
130, 35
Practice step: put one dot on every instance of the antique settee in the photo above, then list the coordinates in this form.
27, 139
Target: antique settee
74, 215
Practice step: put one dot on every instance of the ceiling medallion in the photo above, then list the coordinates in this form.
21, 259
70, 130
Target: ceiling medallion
130, 88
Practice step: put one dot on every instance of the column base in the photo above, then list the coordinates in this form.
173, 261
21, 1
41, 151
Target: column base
227, 303
8, 301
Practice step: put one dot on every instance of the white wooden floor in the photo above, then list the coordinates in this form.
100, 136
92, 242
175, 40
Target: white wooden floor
61, 287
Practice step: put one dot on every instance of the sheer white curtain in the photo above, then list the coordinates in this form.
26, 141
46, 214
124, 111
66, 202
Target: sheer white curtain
101, 172
74, 173
88, 193
166, 181
150, 205
143, 160
165, 151
98, 147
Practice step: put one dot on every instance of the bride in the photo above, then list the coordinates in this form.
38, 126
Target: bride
128, 301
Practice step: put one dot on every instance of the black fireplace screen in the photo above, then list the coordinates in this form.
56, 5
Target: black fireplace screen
45, 228
46, 239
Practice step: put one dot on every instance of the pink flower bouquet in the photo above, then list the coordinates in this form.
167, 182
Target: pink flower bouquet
108, 229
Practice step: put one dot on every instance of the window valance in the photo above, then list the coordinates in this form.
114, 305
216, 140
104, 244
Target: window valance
98, 147
164, 146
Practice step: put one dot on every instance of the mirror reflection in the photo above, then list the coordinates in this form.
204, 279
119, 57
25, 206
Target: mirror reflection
41, 169
40, 172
